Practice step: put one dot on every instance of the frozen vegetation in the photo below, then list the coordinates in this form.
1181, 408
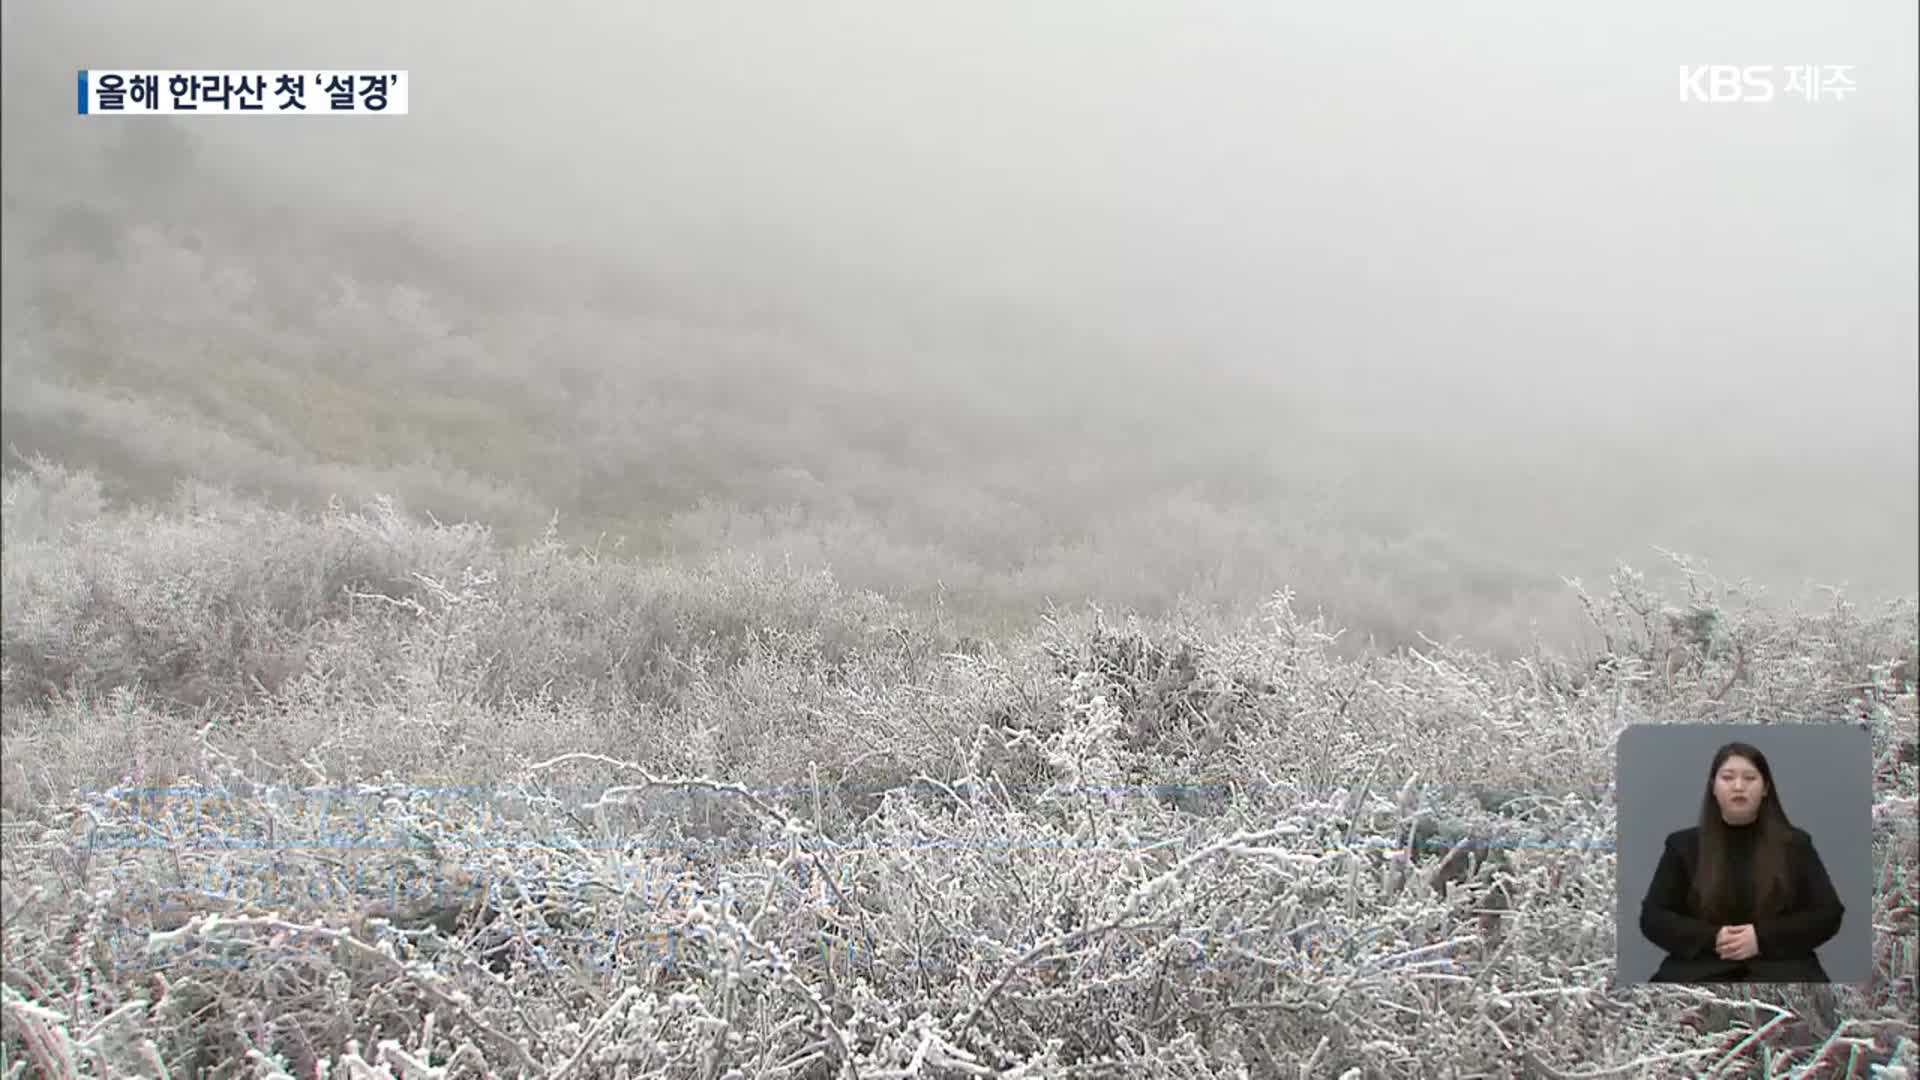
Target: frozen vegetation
393, 796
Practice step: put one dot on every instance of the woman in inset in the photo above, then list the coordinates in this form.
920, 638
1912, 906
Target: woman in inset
1742, 896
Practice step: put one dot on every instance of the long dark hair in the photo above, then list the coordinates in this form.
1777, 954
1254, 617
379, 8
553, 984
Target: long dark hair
1772, 881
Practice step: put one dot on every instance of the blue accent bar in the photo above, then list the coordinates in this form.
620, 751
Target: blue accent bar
83, 91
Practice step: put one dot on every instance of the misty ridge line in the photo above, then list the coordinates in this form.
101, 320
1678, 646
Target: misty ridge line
867, 475
946, 570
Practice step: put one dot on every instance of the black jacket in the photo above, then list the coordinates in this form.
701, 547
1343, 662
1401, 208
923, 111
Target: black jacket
1786, 940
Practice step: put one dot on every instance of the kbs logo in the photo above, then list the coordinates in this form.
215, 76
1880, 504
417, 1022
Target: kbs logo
1721, 83
1755, 83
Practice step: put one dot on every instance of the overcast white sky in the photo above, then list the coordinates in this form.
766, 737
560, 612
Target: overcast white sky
1446, 206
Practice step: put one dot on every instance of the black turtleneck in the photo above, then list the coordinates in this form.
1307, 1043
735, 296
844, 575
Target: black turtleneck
1787, 938
1740, 842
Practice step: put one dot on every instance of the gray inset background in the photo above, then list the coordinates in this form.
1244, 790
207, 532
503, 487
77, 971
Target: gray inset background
1824, 776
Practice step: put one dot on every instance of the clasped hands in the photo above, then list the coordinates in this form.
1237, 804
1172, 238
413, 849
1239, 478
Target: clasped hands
1737, 942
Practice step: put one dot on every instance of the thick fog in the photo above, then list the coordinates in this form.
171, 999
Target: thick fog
1494, 200
1491, 230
